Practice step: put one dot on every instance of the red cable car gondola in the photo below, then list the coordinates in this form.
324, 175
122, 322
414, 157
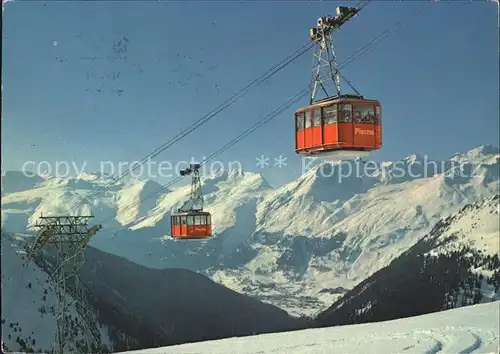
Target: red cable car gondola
192, 223
338, 128
342, 126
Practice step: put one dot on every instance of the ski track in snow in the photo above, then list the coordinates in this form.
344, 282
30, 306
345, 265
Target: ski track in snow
472, 329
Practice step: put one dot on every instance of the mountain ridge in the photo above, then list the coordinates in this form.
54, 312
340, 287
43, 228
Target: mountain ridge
285, 245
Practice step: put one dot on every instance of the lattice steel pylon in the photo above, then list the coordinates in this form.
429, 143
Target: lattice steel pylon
195, 202
69, 235
326, 69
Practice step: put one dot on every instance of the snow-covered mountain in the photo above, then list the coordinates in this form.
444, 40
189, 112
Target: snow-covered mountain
474, 329
299, 247
456, 264
29, 301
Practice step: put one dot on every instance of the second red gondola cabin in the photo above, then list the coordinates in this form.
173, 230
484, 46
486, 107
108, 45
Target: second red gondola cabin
190, 222
191, 225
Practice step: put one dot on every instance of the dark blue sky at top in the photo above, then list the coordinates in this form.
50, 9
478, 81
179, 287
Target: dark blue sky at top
67, 96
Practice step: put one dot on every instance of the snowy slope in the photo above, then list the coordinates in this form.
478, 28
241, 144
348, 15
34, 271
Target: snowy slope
28, 301
299, 246
474, 329
456, 264
476, 226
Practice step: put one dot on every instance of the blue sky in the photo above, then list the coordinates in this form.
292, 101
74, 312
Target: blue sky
437, 78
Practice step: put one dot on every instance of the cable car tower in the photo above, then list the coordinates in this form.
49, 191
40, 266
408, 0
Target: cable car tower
325, 65
196, 198
69, 236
